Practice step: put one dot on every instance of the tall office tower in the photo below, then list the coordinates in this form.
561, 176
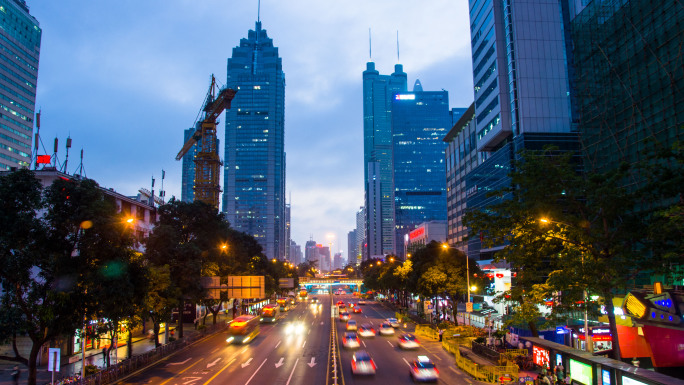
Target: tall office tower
420, 119
378, 91
521, 90
630, 96
337, 261
254, 184
324, 257
20, 41
188, 168
311, 252
461, 158
361, 249
295, 253
351, 247
287, 255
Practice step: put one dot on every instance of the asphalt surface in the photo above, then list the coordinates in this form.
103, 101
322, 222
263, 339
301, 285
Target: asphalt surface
273, 357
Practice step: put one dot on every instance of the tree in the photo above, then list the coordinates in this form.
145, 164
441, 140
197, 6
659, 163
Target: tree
162, 297
565, 231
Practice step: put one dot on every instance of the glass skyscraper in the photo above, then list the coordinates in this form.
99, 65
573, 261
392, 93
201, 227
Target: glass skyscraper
378, 91
188, 168
254, 161
20, 36
420, 119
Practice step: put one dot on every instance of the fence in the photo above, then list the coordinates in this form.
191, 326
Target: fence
130, 365
426, 331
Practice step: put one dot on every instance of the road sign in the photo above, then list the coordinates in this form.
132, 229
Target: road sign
469, 307
53, 360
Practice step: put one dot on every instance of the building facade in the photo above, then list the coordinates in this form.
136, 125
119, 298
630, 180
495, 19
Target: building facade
188, 168
378, 91
425, 233
351, 248
254, 173
420, 120
20, 37
361, 248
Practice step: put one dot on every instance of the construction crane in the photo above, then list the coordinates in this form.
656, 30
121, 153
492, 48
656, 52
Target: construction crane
207, 161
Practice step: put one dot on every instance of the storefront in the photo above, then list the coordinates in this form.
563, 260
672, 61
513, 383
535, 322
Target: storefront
600, 339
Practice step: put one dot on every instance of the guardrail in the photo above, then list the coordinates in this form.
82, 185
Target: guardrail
427, 331
334, 376
126, 367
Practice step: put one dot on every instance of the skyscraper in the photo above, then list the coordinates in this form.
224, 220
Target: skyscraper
254, 176
378, 91
351, 247
521, 90
20, 36
188, 168
420, 119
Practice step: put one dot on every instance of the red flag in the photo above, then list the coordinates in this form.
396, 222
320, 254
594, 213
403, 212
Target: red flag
43, 159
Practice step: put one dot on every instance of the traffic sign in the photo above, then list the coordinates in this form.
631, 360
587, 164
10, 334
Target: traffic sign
53, 360
469, 307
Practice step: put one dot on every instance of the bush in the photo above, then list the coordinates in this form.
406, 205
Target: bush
444, 325
91, 369
201, 327
171, 339
480, 340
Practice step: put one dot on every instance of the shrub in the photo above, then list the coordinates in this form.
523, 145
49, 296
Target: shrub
201, 327
91, 369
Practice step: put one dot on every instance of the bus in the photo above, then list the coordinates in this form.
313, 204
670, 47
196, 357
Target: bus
243, 329
269, 313
283, 303
303, 294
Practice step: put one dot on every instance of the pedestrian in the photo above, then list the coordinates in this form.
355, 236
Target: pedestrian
15, 374
196, 322
104, 356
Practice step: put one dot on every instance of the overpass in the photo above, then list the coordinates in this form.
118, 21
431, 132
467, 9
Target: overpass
330, 284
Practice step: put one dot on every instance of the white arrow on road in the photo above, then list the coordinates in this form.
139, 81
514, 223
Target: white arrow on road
312, 363
180, 363
247, 363
280, 363
209, 365
191, 380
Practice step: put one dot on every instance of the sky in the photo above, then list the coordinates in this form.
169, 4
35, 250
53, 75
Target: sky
124, 79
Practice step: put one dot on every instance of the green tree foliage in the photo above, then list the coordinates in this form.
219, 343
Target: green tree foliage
566, 231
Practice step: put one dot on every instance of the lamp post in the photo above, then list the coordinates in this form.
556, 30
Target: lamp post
584, 290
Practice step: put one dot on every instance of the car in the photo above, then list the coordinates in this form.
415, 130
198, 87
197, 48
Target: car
351, 305
339, 303
366, 330
408, 341
350, 341
344, 316
351, 325
294, 328
314, 299
386, 329
358, 310
362, 302
423, 369
362, 363
394, 322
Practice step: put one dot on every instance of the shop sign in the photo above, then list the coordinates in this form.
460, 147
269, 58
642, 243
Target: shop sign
581, 372
561, 330
630, 381
595, 331
540, 356
605, 375
602, 338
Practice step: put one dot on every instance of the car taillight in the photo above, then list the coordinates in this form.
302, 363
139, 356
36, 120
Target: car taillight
354, 365
372, 363
357, 340
436, 370
415, 369
417, 341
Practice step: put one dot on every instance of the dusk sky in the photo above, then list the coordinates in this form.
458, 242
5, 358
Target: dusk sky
125, 78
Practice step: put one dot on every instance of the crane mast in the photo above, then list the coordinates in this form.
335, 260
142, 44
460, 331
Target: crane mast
207, 162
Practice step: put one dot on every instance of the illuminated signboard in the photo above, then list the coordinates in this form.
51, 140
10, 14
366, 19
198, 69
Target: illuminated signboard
417, 233
540, 356
630, 381
581, 372
634, 306
605, 374
405, 97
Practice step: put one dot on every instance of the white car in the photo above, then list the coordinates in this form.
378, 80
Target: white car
295, 328
366, 331
394, 322
350, 341
362, 302
351, 325
408, 341
362, 363
423, 370
386, 329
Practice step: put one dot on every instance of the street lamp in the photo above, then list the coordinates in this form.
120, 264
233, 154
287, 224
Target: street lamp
545, 221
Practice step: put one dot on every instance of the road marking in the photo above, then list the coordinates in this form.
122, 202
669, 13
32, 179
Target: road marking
219, 372
309, 331
365, 316
455, 371
209, 365
407, 363
179, 363
364, 343
247, 363
303, 344
312, 323
280, 363
278, 344
291, 373
262, 364
390, 344
181, 372
215, 350
312, 363
243, 350
192, 379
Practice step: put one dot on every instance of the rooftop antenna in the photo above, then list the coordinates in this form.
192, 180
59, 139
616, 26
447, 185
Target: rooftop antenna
370, 46
66, 160
162, 193
81, 170
259, 11
54, 154
397, 46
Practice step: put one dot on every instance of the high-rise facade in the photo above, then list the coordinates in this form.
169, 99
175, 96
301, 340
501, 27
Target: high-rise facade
378, 91
351, 248
361, 248
188, 168
521, 90
254, 175
420, 120
20, 36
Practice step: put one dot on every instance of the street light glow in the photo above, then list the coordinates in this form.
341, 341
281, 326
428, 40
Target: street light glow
544, 220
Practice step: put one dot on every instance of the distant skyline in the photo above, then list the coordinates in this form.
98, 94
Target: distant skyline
125, 81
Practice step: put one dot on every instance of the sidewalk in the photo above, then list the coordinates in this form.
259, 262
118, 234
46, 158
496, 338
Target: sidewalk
140, 345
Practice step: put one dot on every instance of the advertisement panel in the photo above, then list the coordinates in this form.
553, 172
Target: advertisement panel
581, 372
630, 381
540, 356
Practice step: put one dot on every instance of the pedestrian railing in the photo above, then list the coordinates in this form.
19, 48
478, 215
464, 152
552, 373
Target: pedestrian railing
137, 362
427, 331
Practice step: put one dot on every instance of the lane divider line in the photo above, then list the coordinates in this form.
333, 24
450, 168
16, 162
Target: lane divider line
278, 344
407, 363
255, 372
181, 372
219, 372
390, 344
292, 372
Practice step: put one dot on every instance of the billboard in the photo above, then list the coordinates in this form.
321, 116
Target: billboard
286, 283
540, 356
581, 372
242, 287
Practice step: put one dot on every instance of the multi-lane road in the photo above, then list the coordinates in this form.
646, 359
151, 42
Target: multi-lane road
278, 357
